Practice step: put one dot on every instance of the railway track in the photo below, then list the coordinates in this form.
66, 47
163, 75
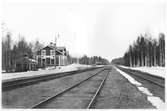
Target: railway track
81, 83
159, 81
16, 83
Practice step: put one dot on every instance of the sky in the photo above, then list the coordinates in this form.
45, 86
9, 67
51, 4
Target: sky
93, 28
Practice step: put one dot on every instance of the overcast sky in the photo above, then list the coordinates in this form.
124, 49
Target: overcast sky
96, 28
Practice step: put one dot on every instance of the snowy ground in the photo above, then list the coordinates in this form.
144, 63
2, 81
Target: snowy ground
49, 70
158, 71
156, 101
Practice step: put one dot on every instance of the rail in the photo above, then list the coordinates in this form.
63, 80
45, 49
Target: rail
12, 84
151, 78
41, 103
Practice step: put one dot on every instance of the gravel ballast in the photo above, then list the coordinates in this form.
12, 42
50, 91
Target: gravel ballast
27, 96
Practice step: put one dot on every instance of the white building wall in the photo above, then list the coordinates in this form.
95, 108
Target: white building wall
62, 58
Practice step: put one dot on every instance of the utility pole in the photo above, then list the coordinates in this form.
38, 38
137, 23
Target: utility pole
55, 47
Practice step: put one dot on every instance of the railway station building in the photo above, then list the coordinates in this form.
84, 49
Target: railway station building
52, 56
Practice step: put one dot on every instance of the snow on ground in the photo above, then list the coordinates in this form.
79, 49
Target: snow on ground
157, 71
155, 101
78, 66
49, 70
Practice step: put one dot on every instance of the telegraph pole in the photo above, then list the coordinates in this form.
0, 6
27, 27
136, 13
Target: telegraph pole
55, 47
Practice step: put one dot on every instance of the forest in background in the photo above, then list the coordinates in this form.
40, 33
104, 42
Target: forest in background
94, 60
145, 51
13, 50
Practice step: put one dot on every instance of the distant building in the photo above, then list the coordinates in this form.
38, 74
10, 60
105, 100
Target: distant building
52, 56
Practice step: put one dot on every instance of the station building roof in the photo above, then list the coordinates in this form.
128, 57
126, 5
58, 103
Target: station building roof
25, 60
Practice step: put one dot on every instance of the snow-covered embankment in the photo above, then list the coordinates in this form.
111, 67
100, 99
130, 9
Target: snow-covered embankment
157, 71
155, 101
48, 70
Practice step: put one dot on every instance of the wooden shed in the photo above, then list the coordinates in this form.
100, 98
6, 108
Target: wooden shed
25, 64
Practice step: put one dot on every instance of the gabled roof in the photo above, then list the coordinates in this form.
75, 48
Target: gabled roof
48, 47
53, 48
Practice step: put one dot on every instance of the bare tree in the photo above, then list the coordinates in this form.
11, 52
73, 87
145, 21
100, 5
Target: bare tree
146, 51
6, 51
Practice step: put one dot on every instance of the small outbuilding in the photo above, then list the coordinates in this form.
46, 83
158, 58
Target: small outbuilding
25, 64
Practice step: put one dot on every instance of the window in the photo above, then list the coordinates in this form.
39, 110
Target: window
51, 52
43, 52
52, 61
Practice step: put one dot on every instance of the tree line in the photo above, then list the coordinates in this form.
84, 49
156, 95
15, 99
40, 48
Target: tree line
88, 60
146, 51
12, 51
